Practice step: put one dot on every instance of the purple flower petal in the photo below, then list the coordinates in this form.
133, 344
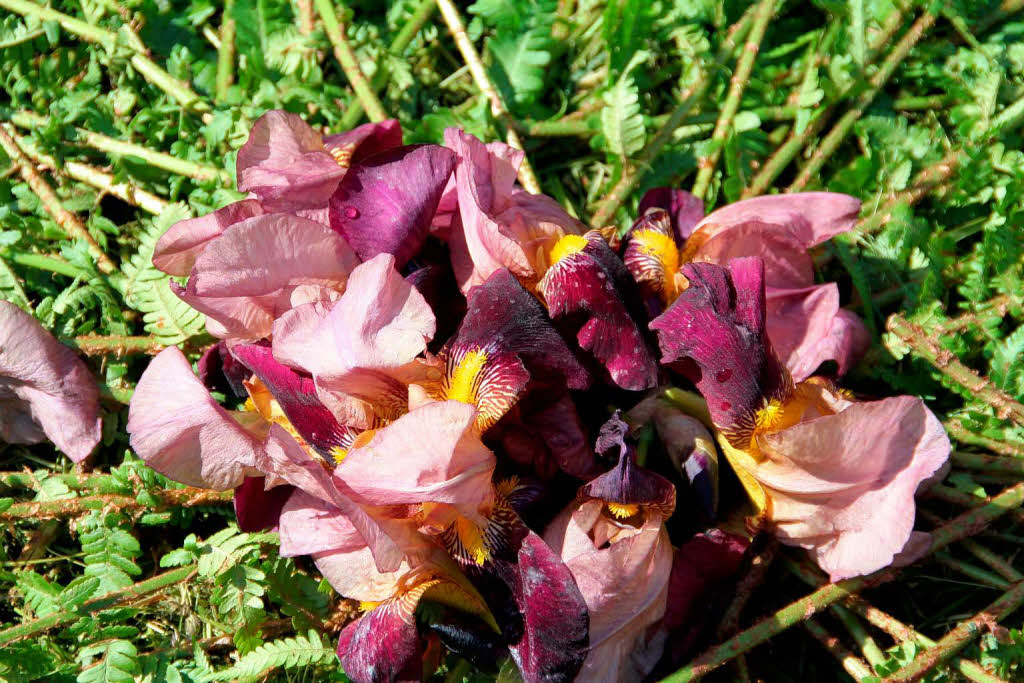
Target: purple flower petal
385, 203
258, 509
364, 141
177, 249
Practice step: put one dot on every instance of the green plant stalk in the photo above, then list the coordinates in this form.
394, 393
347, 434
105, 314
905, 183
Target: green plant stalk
403, 38
738, 83
453, 20
851, 663
800, 610
178, 90
835, 137
961, 636
117, 345
989, 463
982, 576
28, 480
68, 221
927, 180
104, 143
226, 52
951, 495
112, 599
347, 59
945, 361
872, 653
997, 563
962, 434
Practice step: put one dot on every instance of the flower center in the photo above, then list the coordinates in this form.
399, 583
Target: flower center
464, 380
567, 246
622, 510
662, 248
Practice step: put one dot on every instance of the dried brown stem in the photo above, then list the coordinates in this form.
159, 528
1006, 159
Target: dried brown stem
73, 507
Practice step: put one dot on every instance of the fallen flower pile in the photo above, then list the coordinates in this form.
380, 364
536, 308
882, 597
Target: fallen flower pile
428, 363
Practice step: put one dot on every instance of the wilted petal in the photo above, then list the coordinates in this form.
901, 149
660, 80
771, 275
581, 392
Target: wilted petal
258, 508
718, 324
546, 434
684, 209
181, 432
177, 249
284, 163
432, 454
843, 485
385, 203
44, 385
776, 228
587, 278
263, 266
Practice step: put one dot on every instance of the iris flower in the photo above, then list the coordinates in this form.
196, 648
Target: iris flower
805, 323
46, 391
835, 476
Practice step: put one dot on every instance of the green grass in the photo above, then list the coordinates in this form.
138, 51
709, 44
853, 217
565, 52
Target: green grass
914, 107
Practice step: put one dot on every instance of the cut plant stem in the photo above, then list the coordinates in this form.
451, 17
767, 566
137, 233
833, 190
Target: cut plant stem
347, 59
176, 89
453, 20
944, 360
104, 143
68, 221
738, 83
851, 663
800, 610
117, 345
115, 598
73, 507
961, 636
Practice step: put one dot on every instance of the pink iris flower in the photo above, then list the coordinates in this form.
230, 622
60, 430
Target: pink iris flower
805, 323
46, 391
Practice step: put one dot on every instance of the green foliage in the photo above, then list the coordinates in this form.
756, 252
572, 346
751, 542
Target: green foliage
290, 653
148, 291
621, 120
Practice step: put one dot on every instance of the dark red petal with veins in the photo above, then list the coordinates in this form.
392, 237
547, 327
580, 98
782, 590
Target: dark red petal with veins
502, 315
556, 623
684, 209
219, 371
592, 282
627, 483
258, 509
297, 396
385, 203
719, 324
652, 257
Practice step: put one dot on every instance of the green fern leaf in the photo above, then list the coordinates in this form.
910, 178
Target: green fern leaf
1006, 368
286, 653
521, 60
147, 290
11, 289
621, 120
118, 662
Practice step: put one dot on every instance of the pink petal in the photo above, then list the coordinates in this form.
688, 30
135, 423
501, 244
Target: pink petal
779, 229
354, 574
807, 328
45, 389
366, 140
181, 432
177, 249
843, 485
311, 525
432, 454
263, 266
500, 226
284, 163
